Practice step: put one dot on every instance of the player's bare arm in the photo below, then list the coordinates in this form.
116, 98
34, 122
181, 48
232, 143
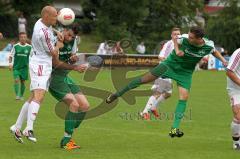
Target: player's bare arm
59, 35
218, 55
62, 65
233, 77
176, 47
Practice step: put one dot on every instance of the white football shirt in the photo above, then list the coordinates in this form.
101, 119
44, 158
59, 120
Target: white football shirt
42, 43
234, 65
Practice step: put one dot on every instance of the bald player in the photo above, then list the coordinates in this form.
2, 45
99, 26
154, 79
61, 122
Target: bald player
40, 67
1, 35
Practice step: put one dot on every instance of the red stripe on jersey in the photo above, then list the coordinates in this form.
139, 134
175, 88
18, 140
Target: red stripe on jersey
40, 68
236, 59
47, 39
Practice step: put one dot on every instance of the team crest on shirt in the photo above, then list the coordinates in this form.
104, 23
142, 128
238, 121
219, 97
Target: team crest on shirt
25, 51
200, 53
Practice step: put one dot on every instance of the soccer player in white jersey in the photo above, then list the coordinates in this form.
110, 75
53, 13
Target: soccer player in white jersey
40, 66
233, 87
162, 87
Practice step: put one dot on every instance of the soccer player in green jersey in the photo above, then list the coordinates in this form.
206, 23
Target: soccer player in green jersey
63, 88
179, 66
19, 60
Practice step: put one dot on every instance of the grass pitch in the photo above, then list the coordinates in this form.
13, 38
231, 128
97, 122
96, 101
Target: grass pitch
120, 133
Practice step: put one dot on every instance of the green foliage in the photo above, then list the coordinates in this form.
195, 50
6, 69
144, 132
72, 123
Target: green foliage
29, 7
225, 28
9, 27
147, 20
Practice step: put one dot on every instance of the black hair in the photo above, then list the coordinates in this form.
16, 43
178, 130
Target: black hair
197, 31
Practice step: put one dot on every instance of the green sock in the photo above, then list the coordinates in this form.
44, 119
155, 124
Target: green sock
22, 89
16, 89
80, 117
69, 127
133, 84
180, 109
70, 122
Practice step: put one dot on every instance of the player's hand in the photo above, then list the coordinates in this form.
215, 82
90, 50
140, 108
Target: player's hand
10, 67
59, 44
180, 53
74, 58
81, 68
60, 36
225, 63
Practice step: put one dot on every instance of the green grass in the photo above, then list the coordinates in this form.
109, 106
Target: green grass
207, 132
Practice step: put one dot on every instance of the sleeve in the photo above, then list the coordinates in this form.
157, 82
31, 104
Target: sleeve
75, 47
12, 54
46, 42
166, 49
181, 38
213, 47
163, 50
234, 62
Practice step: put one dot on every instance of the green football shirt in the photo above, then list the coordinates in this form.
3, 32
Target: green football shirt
20, 54
192, 54
64, 55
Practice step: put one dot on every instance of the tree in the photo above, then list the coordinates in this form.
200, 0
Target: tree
163, 16
224, 28
115, 18
148, 20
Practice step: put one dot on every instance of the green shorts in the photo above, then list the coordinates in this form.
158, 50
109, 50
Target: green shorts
20, 73
60, 86
181, 76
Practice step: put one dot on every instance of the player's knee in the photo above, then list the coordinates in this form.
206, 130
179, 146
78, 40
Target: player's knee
85, 107
74, 106
184, 96
17, 81
38, 96
237, 117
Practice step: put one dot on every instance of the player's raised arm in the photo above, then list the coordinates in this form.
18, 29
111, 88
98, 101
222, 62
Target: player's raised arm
176, 46
233, 77
218, 55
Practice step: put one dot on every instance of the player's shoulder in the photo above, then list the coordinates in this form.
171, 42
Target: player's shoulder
208, 42
17, 44
236, 53
28, 45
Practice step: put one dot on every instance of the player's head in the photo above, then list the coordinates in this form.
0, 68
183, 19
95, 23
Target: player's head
49, 15
69, 35
22, 37
1, 36
175, 32
195, 35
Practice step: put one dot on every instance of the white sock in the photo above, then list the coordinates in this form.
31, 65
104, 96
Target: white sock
235, 127
160, 99
32, 113
149, 104
22, 115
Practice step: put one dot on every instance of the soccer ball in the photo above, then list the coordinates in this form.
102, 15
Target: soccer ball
66, 16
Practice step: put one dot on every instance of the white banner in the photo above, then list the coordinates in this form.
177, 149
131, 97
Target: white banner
4, 56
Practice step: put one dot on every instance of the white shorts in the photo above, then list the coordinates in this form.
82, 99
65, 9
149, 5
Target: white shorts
162, 85
40, 75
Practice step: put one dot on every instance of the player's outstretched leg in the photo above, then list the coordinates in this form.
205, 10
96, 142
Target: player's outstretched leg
156, 72
149, 77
